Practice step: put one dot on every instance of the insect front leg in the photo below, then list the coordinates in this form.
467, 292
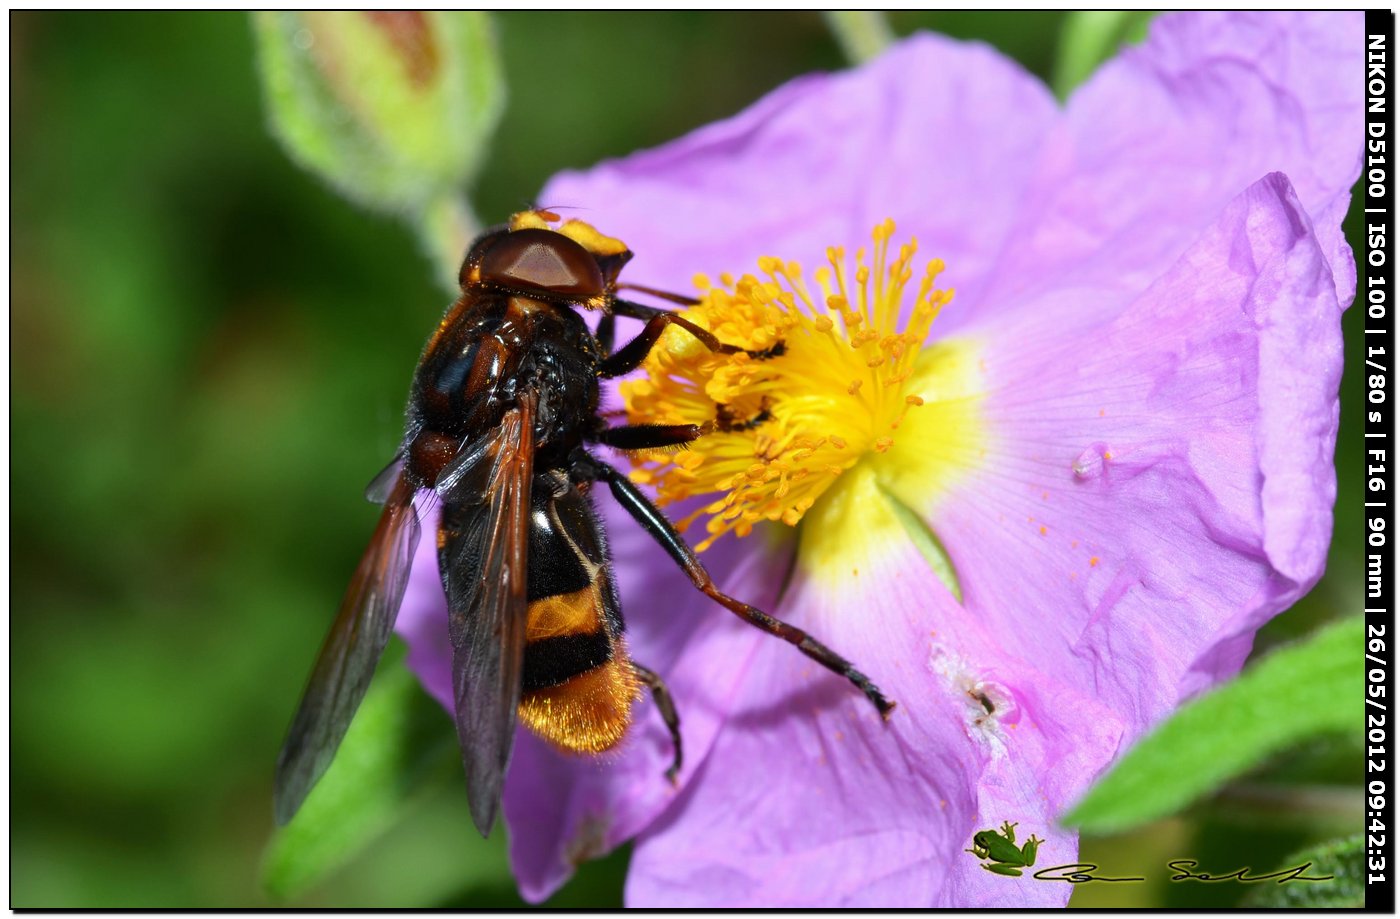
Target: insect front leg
667, 707
630, 356
606, 332
650, 436
682, 299
654, 522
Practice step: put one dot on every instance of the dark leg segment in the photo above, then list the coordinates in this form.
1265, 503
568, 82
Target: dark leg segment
630, 356
655, 523
638, 310
667, 707
650, 436
682, 299
607, 326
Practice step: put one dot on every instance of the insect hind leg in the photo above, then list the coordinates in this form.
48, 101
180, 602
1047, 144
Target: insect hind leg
654, 522
667, 707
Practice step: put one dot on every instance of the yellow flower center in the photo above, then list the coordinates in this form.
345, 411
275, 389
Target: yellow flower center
784, 428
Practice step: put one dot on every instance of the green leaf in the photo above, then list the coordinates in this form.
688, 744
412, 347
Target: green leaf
398, 738
1294, 694
1090, 37
1344, 859
394, 109
432, 855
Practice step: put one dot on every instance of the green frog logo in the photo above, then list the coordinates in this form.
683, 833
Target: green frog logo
999, 849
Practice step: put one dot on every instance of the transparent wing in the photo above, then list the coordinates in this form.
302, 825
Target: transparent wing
484, 552
352, 649
382, 485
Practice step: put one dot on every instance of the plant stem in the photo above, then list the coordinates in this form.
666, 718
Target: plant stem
446, 227
862, 34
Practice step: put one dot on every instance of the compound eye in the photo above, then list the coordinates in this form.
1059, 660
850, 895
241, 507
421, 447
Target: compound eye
542, 260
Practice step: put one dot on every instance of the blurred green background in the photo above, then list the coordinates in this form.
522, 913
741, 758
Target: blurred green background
210, 355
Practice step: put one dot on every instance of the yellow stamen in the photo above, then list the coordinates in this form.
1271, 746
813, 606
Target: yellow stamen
787, 426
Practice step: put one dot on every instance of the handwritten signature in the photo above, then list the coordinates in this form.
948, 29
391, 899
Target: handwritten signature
1077, 873
1283, 876
1083, 873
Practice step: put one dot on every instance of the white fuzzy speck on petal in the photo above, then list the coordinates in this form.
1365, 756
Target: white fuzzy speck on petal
984, 703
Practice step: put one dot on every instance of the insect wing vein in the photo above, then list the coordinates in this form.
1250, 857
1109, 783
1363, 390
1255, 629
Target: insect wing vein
484, 548
351, 651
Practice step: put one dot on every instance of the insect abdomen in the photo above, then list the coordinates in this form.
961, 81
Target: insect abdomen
577, 683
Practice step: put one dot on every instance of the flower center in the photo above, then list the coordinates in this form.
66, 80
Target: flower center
783, 429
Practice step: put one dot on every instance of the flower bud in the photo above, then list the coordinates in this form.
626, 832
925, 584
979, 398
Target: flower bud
394, 108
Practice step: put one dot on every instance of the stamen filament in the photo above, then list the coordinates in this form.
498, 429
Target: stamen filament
786, 427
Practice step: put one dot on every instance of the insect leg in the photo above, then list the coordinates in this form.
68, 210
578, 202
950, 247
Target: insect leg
654, 522
607, 326
638, 310
630, 356
650, 436
682, 299
382, 485
667, 707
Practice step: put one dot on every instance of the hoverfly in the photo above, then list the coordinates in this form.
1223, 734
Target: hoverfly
501, 413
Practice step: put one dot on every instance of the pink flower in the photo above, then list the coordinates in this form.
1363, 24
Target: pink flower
1124, 449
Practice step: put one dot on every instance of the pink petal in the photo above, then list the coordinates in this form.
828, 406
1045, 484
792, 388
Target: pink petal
1157, 487
938, 134
1165, 135
808, 799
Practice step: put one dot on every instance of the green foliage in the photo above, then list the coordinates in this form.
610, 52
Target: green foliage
1343, 859
1292, 695
398, 737
1090, 37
